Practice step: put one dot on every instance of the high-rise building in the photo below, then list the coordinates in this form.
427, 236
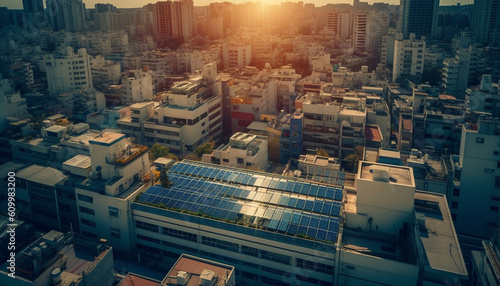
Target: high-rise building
359, 32
418, 17
339, 24
408, 57
67, 71
486, 21
474, 198
55, 16
174, 19
67, 14
33, 6
456, 73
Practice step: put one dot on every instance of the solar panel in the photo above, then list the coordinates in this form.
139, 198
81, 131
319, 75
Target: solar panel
318, 205
304, 221
312, 232
313, 190
321, 235
213, 190
309, 205
314, 222
284, 200
292, 228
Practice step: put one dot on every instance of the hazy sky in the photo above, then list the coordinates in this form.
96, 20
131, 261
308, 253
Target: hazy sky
17, 4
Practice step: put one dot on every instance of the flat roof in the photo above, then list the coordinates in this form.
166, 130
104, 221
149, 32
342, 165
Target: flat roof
55, 128
273, 202
407, 124
196, 267
79, 161
352, 112
439, 238
11, 167
257, 125
141, 104
397, 174
107, 138
394, 154
42, 175
82, 139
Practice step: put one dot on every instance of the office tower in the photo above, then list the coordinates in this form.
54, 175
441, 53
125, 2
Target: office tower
485, 21
174, 19
418, 17
33, 6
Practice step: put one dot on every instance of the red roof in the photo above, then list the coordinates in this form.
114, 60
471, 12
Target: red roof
372, 133
407, 124
134, 280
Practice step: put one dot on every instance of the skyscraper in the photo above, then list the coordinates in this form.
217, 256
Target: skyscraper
418, 17
67, 14
485, 21
174, 19
33, 6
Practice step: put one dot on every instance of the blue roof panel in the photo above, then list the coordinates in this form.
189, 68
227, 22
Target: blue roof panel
291, 206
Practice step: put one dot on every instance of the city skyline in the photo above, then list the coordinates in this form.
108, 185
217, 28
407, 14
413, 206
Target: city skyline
15, 4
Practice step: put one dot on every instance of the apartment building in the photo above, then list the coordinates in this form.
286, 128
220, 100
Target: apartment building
67, 71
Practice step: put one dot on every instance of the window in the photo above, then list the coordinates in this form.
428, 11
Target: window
454, 205
497, 182
87, 211
479, 140
236, 107
249, 251
147, 238
180, 234
225, 160
456, 192
113, 211
240, 160
496, 153
314, 266
178, 246
249, 164
115, 233
283, 259
249, 275
89, 234
85, 198
454, 217
147, 226
87, 222
494, 208
222, 244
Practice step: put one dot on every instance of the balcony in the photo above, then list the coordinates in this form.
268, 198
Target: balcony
135, 152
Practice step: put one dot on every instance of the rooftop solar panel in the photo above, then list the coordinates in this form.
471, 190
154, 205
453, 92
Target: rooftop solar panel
215, 191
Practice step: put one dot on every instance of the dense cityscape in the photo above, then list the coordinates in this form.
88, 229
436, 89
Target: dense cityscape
250, 143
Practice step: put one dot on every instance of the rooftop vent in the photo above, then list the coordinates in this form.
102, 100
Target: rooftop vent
380, 173
208, 277
183, 278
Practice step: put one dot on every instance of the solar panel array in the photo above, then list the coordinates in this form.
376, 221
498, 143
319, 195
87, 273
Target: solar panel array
271, 202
